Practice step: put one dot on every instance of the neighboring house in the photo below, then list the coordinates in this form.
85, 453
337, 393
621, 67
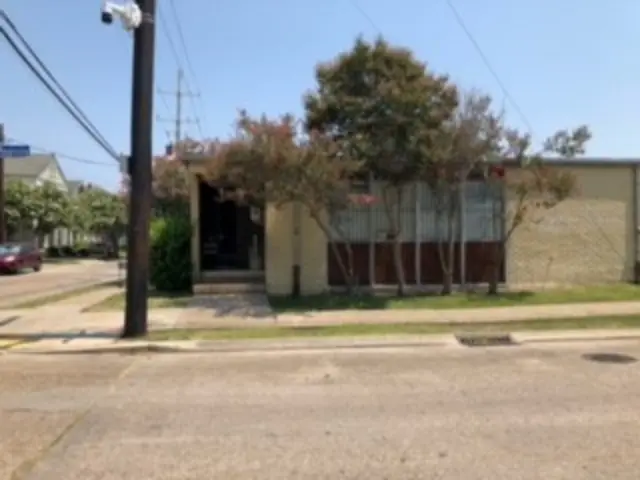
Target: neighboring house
35, 170
587, 239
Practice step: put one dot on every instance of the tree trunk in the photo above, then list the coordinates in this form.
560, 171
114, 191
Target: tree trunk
399, 267
496, 261
394, 235
446, 203
345, 269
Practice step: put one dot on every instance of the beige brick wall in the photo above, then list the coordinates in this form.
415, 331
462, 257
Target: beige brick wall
587, 239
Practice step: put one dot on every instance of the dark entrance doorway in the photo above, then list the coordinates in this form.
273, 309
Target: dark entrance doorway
228, 237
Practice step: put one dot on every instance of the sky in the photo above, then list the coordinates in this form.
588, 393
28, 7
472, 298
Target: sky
562, 63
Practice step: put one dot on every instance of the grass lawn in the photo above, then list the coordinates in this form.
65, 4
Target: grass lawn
156, 300
58, 297
604, 293
356, 330
60, 260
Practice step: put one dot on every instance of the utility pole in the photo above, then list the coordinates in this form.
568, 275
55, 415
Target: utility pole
179, 94
3, 224
140, 171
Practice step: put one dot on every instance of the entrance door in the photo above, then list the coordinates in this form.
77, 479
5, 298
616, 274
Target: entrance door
223, 229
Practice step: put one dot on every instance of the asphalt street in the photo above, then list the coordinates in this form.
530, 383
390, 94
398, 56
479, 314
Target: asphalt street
547, 411
54, 278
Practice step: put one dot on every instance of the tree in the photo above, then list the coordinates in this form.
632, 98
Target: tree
383, 107
469, 139
20, 209
170, 187
101, 213
51, 209
268, 163
535, 188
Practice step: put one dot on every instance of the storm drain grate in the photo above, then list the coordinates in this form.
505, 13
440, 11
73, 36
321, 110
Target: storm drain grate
485, 340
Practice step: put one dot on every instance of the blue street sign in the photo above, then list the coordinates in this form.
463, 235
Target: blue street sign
12, 151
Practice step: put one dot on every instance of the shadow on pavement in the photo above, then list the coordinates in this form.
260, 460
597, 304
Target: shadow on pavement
609, 358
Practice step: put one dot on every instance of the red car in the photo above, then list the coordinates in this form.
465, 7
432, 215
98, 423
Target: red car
16, 257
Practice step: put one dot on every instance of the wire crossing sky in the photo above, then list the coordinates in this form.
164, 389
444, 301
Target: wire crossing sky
538, 58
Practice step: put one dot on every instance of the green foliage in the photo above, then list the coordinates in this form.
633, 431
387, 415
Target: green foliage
170, 188
41, 208
19, 207
383, 106
99, 212
171, 267
51, 207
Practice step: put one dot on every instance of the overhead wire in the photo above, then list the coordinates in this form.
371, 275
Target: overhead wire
181, 37
168, 108
591, 217
73, 158
63, 97
187, 57
107, 148
485, 59
366, 16
177, 57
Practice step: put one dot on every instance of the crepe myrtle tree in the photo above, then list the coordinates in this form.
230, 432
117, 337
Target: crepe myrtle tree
269, 162
385, 108
533, 186
468, 139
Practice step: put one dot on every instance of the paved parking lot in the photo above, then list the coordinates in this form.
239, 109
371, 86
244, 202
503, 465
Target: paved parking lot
53, 278
554, 411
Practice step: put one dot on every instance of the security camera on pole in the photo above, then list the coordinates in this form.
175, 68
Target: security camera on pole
138, 17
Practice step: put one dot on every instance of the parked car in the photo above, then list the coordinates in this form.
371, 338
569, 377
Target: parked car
15, 257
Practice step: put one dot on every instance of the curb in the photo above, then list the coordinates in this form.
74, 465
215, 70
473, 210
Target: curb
326, 344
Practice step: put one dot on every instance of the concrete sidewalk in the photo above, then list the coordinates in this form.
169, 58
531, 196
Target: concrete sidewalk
67, 317
205, 319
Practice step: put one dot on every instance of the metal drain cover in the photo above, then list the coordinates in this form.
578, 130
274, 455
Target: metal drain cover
485, 339
609, 358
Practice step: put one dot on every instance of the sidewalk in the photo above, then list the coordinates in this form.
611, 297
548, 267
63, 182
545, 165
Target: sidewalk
64, 323
67, 316
204, 319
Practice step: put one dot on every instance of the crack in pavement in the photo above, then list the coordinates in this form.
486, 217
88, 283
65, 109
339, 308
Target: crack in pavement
29, 465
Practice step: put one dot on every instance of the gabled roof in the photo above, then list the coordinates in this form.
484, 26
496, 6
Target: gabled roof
28, 167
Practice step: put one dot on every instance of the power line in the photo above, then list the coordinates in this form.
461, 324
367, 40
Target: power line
487, 63
187, 58
176, 56
73, 158
366, 16
168, 108
79, 115
184, 44
178, 120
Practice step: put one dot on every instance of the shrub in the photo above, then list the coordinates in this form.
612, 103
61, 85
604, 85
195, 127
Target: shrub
53, 252
67, 251
170, 268
81, 248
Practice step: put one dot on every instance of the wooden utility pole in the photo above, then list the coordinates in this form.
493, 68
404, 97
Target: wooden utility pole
140, 171
179, 94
